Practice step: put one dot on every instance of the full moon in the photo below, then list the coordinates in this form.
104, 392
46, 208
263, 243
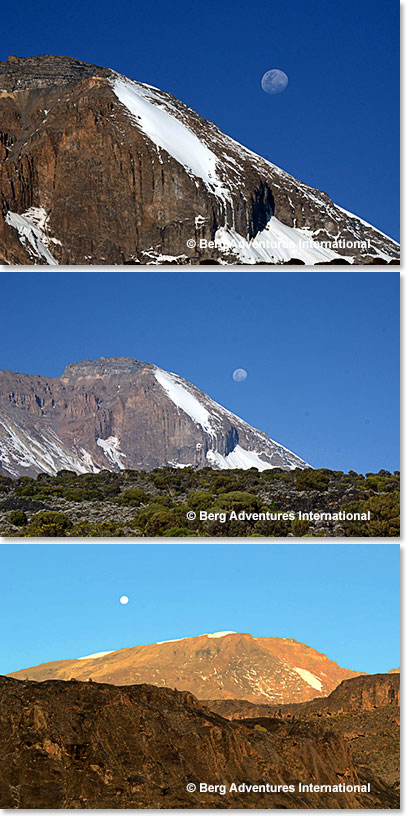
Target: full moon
239, 375
124, 599
274, 81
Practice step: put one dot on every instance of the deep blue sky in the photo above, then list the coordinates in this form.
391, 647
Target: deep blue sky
335, 127
63, 600
321, 350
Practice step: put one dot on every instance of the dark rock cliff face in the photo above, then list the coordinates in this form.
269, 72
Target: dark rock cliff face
85, 745
117, 413
363, 711
82, 181
31, 73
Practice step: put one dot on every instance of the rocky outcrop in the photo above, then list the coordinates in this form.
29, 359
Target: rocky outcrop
359, 693
97, 169
363, 711
85, 745
119, 413
222, 665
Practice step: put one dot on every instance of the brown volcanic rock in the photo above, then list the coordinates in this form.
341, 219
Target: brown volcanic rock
85, 745
117, 413
359, 693
33, 73
364, 711
220, 666
77, 165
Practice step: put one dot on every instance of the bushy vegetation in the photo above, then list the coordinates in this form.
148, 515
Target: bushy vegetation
18, 518
172, 502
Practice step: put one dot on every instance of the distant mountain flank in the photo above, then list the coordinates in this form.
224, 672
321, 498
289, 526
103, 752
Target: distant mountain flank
118, 414
222, 665
96, 168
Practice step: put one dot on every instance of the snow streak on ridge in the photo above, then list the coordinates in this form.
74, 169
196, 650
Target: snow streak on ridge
159, 121
180, 392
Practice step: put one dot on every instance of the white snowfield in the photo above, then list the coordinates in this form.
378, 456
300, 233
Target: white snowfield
238, 458
158, 120
276, 242
309, 678
111, 449
21, 449
174, 386
31, 227
174, 640
94, 656
180, 393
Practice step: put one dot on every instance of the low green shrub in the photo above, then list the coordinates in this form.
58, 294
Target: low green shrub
48, 523
18, 518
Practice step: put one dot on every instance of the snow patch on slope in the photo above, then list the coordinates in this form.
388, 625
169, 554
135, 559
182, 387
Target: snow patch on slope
111, 449
159, 120
309, 678
238, 458
176, 390
275, 243
97, 654
31, 227
87, 459
18, 448
221, 634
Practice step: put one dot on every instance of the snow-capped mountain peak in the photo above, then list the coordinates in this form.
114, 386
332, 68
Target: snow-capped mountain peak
119, 413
